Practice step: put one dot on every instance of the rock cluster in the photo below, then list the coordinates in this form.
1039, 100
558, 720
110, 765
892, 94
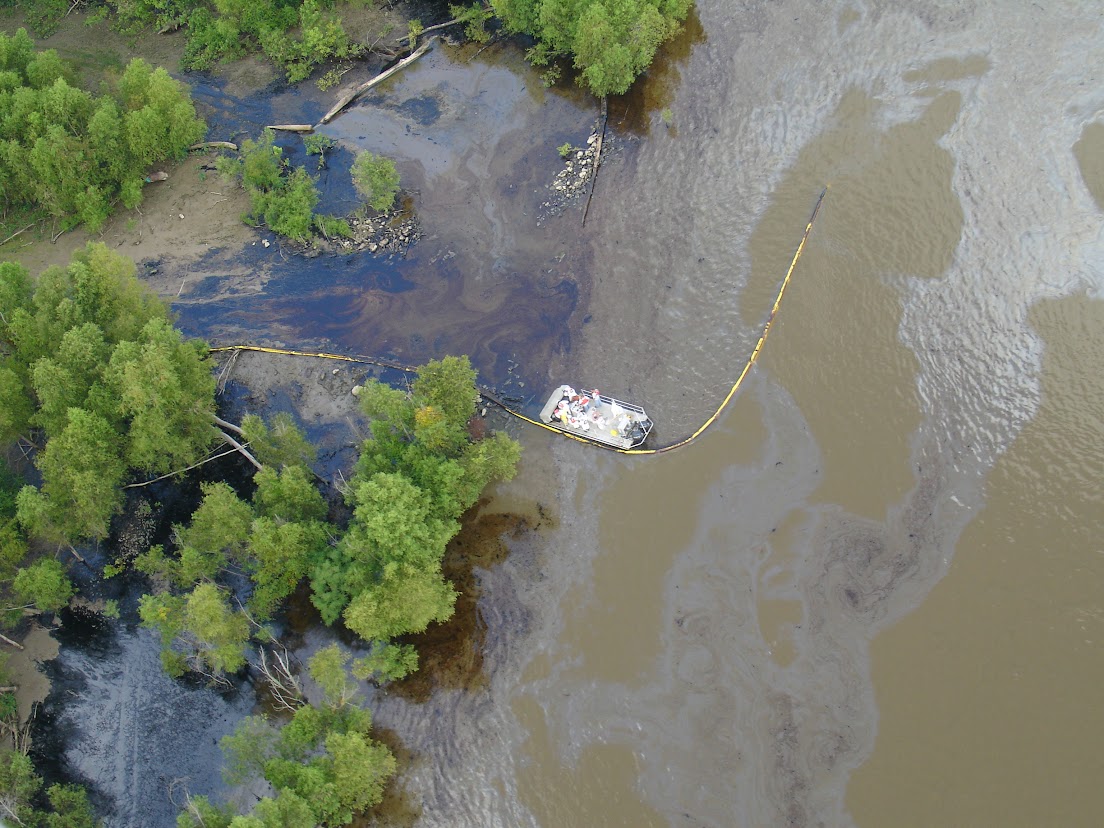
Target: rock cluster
572, 181
383, 233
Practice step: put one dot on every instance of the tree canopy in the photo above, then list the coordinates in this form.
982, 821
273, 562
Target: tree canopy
92, 362
23, 800
322, 764
75, 154
610, 41
416, 476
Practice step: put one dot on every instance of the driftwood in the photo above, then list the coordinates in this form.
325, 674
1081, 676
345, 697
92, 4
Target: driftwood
224, 374
226, 424
349, 97
7, 640
282, 681
18, 232
292, 127
214, 145
181, 471
242, 450
597, 159
437, 26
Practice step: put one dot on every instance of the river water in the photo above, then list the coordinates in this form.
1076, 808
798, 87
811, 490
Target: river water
711, 637
869, 594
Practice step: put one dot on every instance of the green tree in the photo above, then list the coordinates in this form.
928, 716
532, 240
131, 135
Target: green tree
220, 633
220, 525
246, 750
387, 662
70, 808
281, 443
165, 391
75, 154
327, 668
361, 768
283, 200
288, 494
65, 379
99, 286
89, 355
610, 41
405, 599
286, 810
18, 786
13, 547
16, 406
199, 631
376, 179
416, 476
323, 763
44, 584
68, 805
82, 470
202, 813
282, 556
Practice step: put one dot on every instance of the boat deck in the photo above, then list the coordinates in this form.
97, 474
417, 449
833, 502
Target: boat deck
599, 418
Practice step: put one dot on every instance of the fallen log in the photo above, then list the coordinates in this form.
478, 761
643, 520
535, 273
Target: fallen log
435, 27
242, 450
18, 232
227, 424
7, 640
214, 145
349, 97
293, 127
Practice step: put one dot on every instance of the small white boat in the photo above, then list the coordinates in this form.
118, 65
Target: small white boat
593, 416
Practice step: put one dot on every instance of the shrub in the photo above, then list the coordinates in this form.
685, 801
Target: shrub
610, 41
376, 179
283, 201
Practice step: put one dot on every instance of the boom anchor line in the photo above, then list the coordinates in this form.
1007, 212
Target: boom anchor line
493, 398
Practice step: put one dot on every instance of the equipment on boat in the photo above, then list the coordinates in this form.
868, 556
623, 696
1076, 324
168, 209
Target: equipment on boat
593, 416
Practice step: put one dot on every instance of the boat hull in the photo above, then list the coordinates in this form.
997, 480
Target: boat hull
596, 418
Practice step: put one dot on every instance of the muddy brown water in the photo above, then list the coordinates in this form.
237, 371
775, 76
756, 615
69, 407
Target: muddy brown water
714, 637
871, 593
